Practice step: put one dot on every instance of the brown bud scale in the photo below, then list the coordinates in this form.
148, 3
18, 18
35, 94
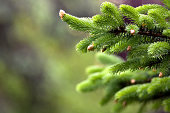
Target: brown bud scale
90, 47
132, 81
160, 74
132, 31
129, 48
62, 13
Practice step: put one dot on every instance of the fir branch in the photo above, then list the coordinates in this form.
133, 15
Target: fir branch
144, 77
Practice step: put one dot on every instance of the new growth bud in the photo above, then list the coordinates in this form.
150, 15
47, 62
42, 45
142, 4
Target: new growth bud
129, 48
132, 31
62, 13
160, 74
132, 81
90, 47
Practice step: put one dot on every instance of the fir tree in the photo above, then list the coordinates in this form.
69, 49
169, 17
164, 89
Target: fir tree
144, 77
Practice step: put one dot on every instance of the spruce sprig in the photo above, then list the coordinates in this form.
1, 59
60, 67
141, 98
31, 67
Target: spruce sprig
144, 77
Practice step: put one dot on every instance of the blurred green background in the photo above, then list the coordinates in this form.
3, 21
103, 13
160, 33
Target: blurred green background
39, 67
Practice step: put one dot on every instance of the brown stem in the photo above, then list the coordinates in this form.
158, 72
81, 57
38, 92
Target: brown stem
141, 32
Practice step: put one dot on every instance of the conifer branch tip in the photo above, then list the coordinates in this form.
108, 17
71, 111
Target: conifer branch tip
61, 13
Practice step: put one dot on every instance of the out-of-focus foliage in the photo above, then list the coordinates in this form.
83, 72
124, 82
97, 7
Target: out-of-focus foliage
38, 64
